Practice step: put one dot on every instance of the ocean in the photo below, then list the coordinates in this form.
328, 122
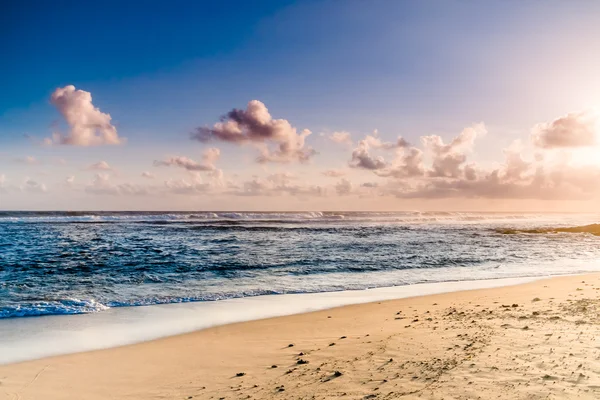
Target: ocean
57, 267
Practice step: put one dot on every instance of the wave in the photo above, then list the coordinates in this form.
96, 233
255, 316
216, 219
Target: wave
58, 307
415, 217
73, 306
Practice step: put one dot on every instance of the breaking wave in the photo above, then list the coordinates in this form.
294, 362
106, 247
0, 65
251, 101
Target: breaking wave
88, 262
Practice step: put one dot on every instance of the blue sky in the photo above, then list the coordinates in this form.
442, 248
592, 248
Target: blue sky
404, 68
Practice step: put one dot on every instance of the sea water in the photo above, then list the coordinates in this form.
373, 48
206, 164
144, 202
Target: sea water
75, 281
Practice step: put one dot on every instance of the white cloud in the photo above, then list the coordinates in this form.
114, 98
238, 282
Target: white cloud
342, 137
148, 175
88, 125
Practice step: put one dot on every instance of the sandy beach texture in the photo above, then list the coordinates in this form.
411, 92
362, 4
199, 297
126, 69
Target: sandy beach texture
532, 341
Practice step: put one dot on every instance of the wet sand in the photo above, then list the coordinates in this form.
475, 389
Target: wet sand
531, 341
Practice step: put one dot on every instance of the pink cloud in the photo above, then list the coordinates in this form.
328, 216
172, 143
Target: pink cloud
185, 186
341, 138
449, 158
209, 157
102, 185
99, 166
362, 158
343, 187
407, 164
276, 185
88, 125
572, 130
334, 173
254, 125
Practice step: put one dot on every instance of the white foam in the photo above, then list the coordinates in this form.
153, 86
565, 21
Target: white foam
24, 339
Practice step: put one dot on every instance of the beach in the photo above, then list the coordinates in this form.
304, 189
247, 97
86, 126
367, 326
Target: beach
247, 200
529, 341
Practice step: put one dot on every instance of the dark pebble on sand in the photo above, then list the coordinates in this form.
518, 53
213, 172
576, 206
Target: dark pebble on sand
291, 345
301, 361
273, 366
240, 374
337, 374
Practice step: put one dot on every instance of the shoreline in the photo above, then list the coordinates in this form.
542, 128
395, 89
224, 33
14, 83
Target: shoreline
522, 341
55, 335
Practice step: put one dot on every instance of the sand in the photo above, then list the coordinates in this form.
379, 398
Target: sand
531, 341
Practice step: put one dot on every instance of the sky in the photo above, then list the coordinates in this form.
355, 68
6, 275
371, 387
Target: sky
300, 105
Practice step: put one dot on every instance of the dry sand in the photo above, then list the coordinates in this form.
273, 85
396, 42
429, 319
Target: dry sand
532, 341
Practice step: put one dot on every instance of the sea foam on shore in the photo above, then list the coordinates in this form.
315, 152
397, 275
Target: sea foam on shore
31, 338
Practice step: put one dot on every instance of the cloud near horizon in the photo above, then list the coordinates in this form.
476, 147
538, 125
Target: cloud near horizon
29, 160
362, 158
102, 185
99, 166
277, 184
88, 125
334, 173
209, 157
448, 159
548, 166
450, 175
572, 130
29, 185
